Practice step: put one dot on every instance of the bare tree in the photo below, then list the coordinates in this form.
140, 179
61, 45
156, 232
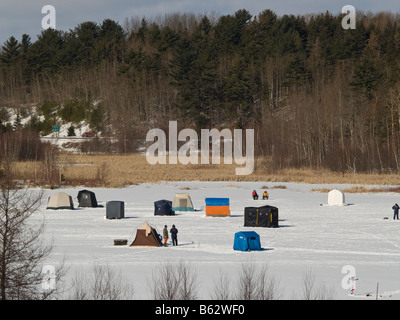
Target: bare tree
187, 282
165, 283
174, 282
22, 251
311, 292
103, 283
268, 287
256, 284
221, 289
247, 282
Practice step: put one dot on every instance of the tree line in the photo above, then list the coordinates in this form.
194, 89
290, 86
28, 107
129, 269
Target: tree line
317, 95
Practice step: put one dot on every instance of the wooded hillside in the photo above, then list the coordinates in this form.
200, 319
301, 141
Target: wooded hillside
317, 95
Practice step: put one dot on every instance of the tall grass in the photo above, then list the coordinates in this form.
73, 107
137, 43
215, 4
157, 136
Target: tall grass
123, 170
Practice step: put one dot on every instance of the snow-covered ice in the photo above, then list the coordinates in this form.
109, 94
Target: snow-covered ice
311, 238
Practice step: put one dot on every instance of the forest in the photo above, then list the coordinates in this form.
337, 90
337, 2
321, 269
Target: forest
317, 95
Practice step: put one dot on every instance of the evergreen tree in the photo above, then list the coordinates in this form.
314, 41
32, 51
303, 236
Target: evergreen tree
71, 131
297, 73
366, 78
111, 43
46, 54
230, 29
182, 73
81, 43
167, 39
263, 32
238, 93
25, 43
10, 51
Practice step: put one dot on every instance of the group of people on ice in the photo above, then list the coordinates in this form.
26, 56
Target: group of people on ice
265, 195
174, 235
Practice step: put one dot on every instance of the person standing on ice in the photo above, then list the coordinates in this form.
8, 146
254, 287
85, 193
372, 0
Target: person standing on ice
254, 195
174, 235
396, 211
165, 235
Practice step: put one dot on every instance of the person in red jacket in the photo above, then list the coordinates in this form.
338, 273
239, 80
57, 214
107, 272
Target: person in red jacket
255, 195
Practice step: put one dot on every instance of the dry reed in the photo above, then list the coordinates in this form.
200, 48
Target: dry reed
131, 169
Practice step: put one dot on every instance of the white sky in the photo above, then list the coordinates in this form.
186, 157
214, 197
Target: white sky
25, 16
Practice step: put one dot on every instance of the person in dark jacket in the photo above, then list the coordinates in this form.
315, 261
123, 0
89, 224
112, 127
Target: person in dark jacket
174, 235
396, 211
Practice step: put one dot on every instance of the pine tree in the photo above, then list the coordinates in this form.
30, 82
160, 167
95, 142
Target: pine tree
366, 77
10, 51
46, 54
182, 73
111, 43
25, 43
81, 43
238, 93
